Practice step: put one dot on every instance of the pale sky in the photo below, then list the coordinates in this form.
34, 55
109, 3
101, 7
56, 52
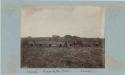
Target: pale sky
44, 21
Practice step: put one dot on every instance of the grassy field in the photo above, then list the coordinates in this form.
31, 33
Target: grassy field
80, 57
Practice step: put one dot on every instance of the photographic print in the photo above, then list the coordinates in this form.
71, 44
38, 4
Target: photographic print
73, 37
62, 36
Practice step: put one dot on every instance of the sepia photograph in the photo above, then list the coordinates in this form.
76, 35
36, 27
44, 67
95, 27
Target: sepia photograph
62, 36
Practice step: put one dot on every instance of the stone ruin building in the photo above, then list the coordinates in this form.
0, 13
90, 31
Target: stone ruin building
56, 41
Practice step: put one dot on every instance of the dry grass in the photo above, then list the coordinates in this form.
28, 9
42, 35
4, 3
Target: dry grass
80, 57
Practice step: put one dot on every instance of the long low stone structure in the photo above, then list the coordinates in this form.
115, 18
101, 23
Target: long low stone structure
40, 42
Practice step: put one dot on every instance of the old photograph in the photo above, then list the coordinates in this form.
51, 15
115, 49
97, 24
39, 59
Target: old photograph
62, 36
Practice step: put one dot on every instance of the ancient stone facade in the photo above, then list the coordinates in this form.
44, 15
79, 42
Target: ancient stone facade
46, 42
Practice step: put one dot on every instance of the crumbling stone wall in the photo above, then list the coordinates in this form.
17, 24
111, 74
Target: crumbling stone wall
40, 42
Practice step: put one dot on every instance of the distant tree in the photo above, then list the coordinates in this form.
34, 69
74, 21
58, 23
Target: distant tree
68, 36
55, 37
75, 37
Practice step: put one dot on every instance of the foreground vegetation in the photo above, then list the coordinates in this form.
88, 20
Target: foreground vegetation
53, 57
